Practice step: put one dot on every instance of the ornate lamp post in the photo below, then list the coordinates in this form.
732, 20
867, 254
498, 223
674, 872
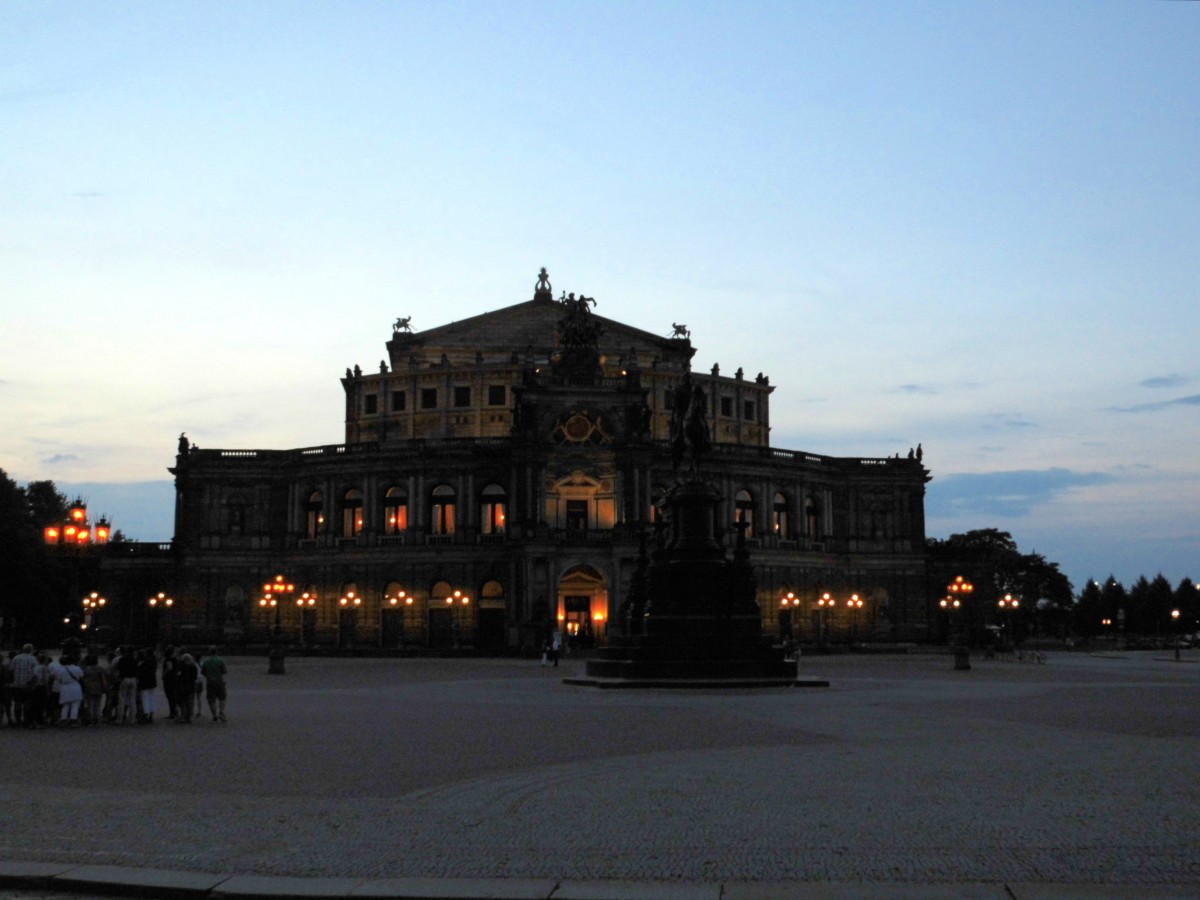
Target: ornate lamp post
789, 604
158, 603
306, 603
76, 531
825, 604
1008, 606
959, 591
855, 603
458, 603
92, 604
274, 594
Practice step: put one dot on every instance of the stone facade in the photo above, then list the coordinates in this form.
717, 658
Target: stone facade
495, 479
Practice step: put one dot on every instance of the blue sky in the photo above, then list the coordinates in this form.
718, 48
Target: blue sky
969, 225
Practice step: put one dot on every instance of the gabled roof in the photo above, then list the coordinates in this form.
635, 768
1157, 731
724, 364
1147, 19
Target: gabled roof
529, 326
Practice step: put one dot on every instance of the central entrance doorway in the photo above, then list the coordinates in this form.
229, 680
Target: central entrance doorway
582, 607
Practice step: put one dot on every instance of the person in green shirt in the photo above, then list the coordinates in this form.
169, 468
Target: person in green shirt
213, 669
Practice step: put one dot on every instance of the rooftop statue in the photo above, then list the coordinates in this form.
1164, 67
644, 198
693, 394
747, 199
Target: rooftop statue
689, 436
579, 332
680, 331
403, 324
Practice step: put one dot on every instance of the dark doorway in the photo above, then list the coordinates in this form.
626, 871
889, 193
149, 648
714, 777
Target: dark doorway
441, 627
347, 628
489, 636
391, 628
308, 627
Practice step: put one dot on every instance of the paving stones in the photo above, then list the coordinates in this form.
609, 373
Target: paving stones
903, 773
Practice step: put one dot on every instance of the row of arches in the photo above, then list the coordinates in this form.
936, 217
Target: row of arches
443, 511
780, 523
392, 616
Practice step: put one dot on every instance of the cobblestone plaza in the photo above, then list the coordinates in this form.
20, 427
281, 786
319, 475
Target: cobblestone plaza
904, 772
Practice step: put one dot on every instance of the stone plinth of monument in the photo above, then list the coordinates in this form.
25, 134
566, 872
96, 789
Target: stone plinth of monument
692, 620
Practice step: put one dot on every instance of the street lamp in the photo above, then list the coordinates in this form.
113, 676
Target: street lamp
92, 604
855, 603
458, 602
789, 603
274, 593
825, 604
1175, 628
157, 604
954, 602
75, 530
1008, 606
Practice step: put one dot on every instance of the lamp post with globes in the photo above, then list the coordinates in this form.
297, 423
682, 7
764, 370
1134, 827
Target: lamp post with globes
855, 603
275, 593
92, 604
458, 603
825, 605
1008, 605
158, 604
954, 603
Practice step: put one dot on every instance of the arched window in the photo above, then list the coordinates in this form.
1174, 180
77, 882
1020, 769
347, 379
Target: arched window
492, 509
314, 515
779, 515
744, 511
352, 513
492, 595
395, 510
812, 519
442, 510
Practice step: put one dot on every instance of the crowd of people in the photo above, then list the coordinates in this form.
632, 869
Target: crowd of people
80, 688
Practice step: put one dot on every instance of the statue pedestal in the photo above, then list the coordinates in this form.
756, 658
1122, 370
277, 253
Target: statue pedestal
702, 626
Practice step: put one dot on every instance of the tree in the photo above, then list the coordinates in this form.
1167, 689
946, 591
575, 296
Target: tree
991, 561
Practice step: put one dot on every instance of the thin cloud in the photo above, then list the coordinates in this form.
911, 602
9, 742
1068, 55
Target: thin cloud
1190, 400
1003, 494
916, 389
1165, 381
58, 458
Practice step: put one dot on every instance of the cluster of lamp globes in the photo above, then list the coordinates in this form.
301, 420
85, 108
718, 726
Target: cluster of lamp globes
76, 531
825, 601
280, 586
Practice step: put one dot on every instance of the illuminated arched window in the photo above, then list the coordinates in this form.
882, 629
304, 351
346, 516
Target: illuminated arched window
779, 518
352, 513
442, 510
744, 511
395, 510
314, 515
812, 519
492, 509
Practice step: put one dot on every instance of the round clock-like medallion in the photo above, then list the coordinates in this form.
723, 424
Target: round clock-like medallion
577, 428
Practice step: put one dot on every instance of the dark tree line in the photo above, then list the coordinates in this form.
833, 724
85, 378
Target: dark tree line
1143, 609
1049, 606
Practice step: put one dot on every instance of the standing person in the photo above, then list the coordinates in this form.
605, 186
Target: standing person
22, 666
214, 683
127, 669
6, 677
170, 671
48, 693
95, 686
112, 695
69, 678
147, 683
185, 686
556, 647
198, 690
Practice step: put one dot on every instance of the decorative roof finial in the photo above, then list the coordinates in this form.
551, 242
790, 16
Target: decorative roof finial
543, 290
